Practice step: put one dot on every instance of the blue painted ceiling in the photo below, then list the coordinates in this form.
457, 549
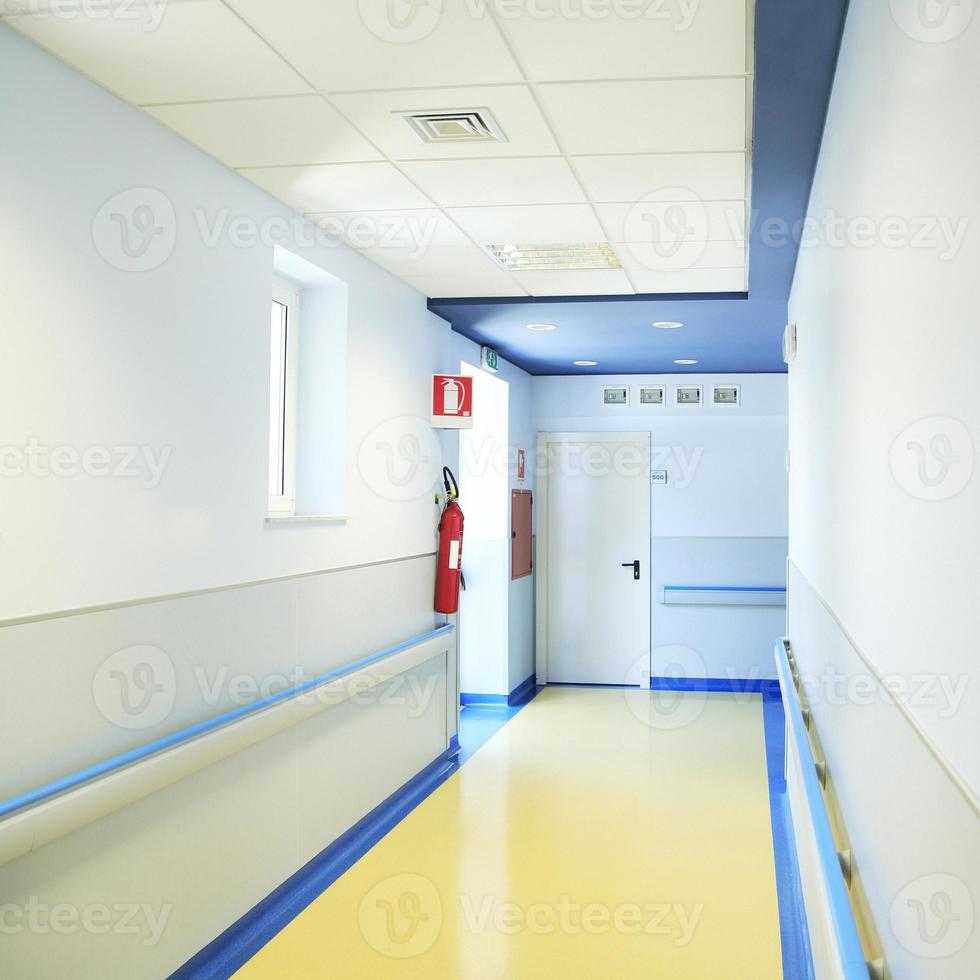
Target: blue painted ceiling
796, 52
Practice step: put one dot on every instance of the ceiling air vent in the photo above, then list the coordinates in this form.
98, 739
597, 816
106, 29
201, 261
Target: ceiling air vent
528, 258
455, 126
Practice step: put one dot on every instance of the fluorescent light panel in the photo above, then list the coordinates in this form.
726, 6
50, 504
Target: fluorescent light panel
536, 258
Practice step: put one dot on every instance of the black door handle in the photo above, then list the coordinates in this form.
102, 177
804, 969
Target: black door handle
635, 565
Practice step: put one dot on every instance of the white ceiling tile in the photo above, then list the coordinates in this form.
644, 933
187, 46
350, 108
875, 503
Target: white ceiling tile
374, 44
709, 176
649, 117
436, 260
447, 287
513, 106
463, 183
268, 132
413, 231
604, 282
558, 40
676, 257
690, 281
546, 224
198, 50
339, 187
670, 222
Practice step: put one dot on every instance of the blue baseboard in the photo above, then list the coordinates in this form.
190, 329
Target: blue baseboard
520, 695
487, 699
243, 939
767, 687
523, 692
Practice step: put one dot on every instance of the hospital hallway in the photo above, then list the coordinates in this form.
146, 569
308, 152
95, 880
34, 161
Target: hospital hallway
479, 881
489, 490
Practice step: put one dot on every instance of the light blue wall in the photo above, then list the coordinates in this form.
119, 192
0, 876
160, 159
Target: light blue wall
721, 519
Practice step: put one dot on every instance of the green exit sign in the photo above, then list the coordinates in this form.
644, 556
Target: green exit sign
488, 359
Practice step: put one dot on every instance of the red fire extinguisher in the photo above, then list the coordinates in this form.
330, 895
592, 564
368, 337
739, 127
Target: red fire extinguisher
448, 574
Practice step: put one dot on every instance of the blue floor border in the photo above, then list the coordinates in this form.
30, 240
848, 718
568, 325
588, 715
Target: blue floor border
738, 685
520, 695
793, 931
230, 951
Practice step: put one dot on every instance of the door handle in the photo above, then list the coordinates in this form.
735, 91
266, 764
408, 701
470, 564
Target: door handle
635, 565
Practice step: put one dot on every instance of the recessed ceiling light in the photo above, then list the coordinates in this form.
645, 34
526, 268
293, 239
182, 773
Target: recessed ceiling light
685, 361
525, 258
586, 363
667, 324
541, 327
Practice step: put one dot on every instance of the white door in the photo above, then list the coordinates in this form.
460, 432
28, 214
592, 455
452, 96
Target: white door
597, 550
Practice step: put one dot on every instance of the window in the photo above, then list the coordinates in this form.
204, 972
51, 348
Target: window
284, 362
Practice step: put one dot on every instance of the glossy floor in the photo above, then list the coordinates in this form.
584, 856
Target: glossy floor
599, 833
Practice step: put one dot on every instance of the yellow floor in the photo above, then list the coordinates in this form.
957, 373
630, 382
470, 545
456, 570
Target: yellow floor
598, 834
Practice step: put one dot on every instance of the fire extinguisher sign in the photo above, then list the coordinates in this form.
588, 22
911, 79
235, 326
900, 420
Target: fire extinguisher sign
452, 401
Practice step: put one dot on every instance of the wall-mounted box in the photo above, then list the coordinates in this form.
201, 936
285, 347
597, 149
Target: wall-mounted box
689, 395
727, 394
521, 542
653, 395
615, 396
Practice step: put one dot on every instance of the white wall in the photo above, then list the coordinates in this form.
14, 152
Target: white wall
884, 553
175, 360
721, 518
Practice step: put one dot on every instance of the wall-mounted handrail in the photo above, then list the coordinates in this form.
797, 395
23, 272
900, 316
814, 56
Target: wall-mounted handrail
723, 595
842, 914
116, 763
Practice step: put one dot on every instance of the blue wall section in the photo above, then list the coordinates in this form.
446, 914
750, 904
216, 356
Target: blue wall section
796, 53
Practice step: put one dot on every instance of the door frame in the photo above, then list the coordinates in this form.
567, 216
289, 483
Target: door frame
543, 460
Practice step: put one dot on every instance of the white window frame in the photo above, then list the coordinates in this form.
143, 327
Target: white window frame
286, 293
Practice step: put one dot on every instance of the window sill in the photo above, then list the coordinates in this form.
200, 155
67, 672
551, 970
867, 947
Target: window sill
278, 519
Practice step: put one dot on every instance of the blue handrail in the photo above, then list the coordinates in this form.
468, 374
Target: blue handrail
724, 588
76, 779
842, 915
